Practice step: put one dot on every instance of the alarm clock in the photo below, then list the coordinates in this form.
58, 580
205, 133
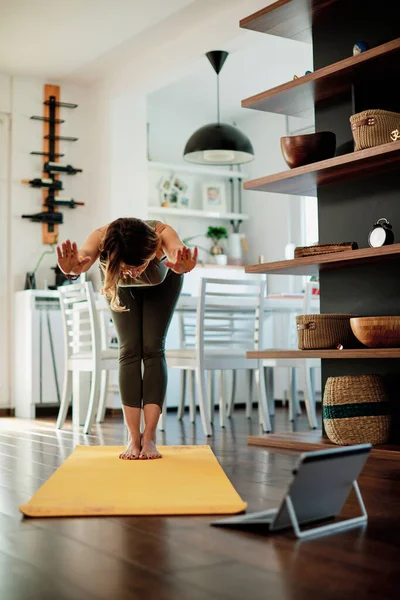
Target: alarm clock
381, 234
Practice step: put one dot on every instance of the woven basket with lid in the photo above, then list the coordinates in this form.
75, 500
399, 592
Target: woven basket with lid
373, 127
356, 410
318, 332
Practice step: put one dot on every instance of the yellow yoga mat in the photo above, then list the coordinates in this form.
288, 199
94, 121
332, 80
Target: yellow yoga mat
93, 481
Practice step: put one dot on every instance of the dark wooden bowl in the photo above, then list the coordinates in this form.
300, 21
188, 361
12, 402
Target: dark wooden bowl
299, 150
377, 332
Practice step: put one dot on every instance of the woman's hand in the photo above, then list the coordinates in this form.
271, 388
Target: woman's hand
184, 261
68, 259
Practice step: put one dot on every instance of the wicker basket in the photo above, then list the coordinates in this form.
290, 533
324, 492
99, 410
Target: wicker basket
356, 410
373, 127
316, 332
317, 249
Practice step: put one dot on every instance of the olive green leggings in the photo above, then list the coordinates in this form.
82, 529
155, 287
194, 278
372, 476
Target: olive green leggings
141, 335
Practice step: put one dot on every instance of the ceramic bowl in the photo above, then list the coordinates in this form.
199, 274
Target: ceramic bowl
299, 150
377, 332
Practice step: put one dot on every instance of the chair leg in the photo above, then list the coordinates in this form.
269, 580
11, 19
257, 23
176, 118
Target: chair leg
101, 412
161, 420
249, 399
93, 401
77, 402
232, 394
222, 405
181, 407
211, 395
310, 398
65, 399
270, 390
265, 421
192, 397
293, 399
202, 388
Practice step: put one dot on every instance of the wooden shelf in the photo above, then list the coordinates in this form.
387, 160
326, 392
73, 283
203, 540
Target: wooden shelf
335, 354
194, 170
299, 96
286, 18
311, 265
191, 212
307, 441
304, 181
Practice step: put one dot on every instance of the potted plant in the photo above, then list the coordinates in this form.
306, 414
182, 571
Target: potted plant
216, 234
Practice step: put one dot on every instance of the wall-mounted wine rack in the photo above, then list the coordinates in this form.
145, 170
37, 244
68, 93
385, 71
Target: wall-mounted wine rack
50, 183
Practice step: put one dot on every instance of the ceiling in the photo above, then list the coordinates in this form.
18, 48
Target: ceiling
44, 38
248, 70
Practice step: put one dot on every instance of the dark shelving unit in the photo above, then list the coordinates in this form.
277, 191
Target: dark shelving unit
354, 190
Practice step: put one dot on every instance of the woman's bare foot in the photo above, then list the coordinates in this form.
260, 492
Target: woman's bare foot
132, 451
149, 450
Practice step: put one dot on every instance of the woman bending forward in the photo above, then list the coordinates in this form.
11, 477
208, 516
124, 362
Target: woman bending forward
141, 265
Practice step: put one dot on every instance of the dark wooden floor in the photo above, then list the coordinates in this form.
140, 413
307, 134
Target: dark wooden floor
184, 558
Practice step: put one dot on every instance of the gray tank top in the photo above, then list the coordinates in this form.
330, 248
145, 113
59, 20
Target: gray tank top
154, 274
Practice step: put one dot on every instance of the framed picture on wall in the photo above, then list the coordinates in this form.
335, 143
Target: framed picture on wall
214, 197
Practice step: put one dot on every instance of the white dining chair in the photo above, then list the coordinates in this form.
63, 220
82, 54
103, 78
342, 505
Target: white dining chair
187, 336
295, 365
83, 353
223, 334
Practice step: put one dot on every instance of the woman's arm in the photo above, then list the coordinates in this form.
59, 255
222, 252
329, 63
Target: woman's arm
170, 241
74, 261
180, 259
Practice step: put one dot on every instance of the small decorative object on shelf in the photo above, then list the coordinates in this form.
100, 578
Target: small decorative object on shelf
216, 234
360, 47
317, 249
299, 150
30, 281
381, 234
306, 73
373, 127
54, 167
237, 247
356, 410
318, 332
43, 183
173, 192
377, 332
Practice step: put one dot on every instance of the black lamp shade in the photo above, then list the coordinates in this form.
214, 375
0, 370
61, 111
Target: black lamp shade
218, 144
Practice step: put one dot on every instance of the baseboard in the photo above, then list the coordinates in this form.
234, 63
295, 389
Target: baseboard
7, 412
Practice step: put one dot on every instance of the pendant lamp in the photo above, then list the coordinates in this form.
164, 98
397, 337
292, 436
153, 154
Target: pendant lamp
218, 143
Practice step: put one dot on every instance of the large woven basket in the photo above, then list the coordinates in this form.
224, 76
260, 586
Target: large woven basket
317, 332
356, 410
373, 127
